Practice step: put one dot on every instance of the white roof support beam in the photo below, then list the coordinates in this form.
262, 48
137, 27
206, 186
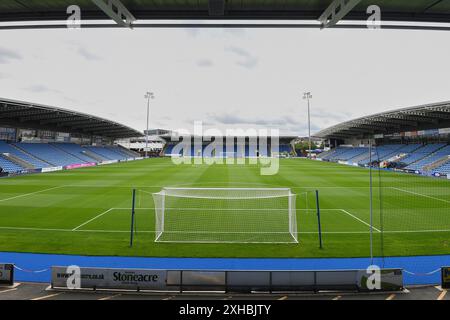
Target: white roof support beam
337, 10
117, 12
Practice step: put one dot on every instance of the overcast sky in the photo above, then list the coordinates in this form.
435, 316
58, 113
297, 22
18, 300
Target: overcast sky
226, 77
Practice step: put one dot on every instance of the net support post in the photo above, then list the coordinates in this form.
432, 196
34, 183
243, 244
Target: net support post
319, 225
133, 202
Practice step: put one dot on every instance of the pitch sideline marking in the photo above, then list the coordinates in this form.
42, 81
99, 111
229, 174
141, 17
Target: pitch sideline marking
31, 193
8, 290
362, 221
442, 295
152, 231
420, 194
48, 296
90, 220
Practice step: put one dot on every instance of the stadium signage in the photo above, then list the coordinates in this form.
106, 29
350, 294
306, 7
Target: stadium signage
81, 165
445, 275
52, 169
7, 274
108, 162
107, 278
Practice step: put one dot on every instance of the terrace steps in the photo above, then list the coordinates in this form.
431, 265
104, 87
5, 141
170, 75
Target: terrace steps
54, 145
437, 163
29, 154
14, 159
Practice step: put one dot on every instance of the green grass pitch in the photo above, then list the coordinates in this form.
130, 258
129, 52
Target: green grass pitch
87, 211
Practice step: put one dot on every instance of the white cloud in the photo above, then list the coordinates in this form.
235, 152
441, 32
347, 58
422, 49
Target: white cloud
7, 55
256, 76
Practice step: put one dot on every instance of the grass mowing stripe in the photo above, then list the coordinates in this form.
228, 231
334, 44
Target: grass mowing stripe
413, 224
31, 193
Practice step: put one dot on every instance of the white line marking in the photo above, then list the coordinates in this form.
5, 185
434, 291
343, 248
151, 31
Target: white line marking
8, 290
422, 195
30, 194
90, 220
442, 295
111, 297
48, 296
153, 231
391, 297
236, 209
337, 298
32, 229
362, 221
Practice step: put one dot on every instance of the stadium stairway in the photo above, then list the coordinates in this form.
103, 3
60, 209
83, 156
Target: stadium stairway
93, 155
23, 155
9, 166
106, 153
420, 154
119, 151
444, 168
382, 153
129, 152
75, 150
431, 158
50, 154
12, 158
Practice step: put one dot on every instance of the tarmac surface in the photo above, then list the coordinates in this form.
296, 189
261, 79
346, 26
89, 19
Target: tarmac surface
42, 291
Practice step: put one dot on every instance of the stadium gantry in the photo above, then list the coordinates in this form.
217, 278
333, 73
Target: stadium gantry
68, 139
423, 117
127, 12
36, 116
414, 139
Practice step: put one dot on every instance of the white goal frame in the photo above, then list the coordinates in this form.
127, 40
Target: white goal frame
286, 214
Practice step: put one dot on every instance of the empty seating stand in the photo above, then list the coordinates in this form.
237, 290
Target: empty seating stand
106, 153
49, 154
75, 150
8, 166
7, 148
420, 154
420, 165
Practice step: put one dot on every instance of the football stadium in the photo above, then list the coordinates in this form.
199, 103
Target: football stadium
204, 212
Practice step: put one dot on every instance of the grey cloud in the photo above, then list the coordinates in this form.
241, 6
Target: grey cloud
7, 55
205, 63
235, 31
228, 118
39, 88
88, 55
4, 75
193, 32
330, 115
246, 60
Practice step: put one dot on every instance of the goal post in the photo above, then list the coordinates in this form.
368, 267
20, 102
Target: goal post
225, 215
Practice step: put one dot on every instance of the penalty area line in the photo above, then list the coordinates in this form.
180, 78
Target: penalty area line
360, 220
420, 194
94, 218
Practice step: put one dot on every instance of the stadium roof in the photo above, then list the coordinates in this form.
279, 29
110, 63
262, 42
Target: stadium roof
392, 10
28, 115
430, 116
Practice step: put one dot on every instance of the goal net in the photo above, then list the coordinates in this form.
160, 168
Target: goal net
225, 215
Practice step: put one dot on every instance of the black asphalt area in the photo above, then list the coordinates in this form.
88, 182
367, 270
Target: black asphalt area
42, 291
